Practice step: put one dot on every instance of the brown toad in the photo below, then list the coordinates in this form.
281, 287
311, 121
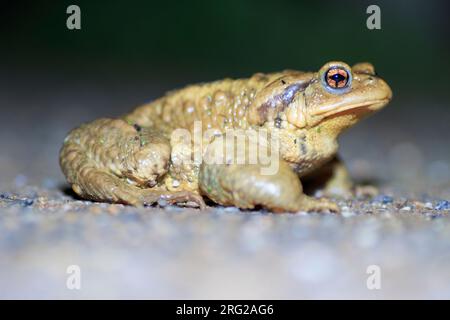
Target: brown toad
137, 159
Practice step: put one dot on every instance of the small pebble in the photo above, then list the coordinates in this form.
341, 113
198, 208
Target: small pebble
26, 202
6, 195
443, 205
386, 199
418, 204
428, 205
407, 208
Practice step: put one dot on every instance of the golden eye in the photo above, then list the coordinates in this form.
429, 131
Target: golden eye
337, 78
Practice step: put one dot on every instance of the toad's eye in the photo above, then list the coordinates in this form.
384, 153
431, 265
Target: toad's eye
337, 78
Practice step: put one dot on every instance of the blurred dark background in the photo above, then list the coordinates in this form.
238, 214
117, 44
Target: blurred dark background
129, 52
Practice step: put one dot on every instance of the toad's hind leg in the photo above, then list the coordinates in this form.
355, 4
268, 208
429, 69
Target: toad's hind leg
111, 160
101, 186
245, 187
248, 185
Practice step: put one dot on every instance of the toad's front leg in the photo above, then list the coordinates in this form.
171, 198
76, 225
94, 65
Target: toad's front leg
334, 180
248, 186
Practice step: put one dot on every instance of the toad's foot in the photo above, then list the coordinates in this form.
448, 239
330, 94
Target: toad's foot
320, 205
331, 180
150, 197
362, 191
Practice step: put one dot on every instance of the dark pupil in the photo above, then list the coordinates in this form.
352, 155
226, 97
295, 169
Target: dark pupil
338, 77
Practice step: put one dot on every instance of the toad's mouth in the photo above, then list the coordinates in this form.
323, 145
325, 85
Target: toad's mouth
372, 105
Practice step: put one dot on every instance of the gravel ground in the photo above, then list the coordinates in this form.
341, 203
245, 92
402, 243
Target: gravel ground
172, 252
